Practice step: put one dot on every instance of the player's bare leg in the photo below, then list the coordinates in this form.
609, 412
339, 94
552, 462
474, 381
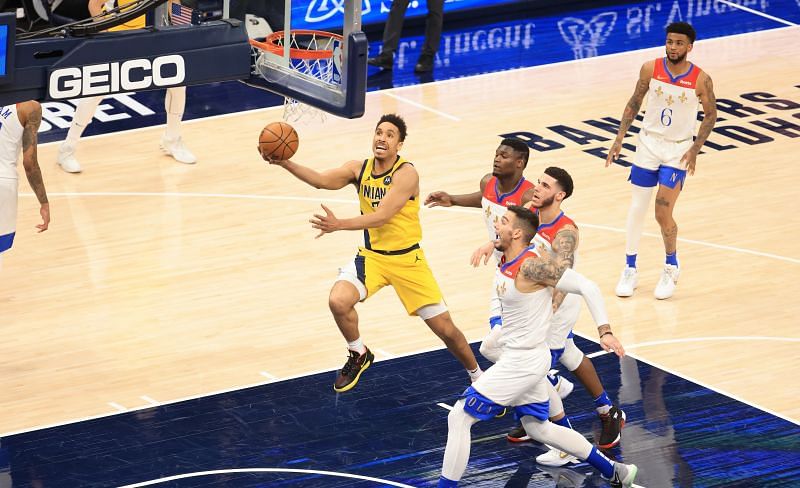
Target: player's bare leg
666, 198
342, 302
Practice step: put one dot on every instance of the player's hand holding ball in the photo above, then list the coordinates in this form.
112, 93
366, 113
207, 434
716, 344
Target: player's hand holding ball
278, 142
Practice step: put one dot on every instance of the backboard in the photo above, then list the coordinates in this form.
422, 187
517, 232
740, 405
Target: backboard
84, 59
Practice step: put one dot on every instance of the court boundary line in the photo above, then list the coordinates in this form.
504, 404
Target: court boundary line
756, 12
482, 75
354, 202
690, 378
390, 91
197, 474
601, 352
436, 209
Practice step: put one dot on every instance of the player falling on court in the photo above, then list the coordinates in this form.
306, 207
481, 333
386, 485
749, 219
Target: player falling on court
665, 151
523, 282
388, 195
19, 125
507, 186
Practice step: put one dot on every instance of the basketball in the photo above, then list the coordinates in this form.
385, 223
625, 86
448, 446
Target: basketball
278, 140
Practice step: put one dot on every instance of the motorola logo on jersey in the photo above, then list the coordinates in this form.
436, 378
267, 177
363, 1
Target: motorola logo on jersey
125, 76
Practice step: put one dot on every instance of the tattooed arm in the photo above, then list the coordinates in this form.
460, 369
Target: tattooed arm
30, 114
705, 91
631, 109
564, 246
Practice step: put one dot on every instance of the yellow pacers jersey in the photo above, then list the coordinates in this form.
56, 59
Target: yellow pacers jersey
136, 23
403, 230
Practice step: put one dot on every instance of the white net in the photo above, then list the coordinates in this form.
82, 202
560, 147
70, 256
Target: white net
315, 55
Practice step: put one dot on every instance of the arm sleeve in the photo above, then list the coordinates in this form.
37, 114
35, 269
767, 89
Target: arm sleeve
573, 282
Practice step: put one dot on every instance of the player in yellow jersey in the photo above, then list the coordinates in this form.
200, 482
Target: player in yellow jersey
388, 194
174, 104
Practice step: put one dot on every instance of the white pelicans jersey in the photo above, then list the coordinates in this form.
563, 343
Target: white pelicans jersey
672, 103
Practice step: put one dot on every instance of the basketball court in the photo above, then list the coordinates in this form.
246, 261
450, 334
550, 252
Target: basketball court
174, 319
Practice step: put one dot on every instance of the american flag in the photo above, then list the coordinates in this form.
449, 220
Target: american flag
181, 15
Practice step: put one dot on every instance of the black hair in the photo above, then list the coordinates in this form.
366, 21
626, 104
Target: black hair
563, 178
519, 146
526, 220
684, 28
397, 121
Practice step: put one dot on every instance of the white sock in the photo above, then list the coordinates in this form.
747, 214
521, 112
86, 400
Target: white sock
174, 104
357, 346
603, 410
640, 202
475, 374
83, 116
456, 452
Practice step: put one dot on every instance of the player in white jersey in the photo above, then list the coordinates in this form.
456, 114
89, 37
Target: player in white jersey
518, 378
19, 125
665, 151
558, 234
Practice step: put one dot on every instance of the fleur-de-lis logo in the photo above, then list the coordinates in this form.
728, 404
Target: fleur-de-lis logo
501, 289
322, 10
683, 96
659, 92
585, 37
670, 101
488, 212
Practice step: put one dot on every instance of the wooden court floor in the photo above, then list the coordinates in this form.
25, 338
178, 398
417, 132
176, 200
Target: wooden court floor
159, 281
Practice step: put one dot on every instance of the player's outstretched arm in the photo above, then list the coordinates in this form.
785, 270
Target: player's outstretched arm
331, 179
444, 199
631, 109
705, 92
405, 184
31, 118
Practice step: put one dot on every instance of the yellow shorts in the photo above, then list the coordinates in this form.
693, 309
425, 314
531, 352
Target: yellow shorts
408, 273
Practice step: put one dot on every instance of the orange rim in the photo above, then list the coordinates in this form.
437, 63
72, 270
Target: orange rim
271, 44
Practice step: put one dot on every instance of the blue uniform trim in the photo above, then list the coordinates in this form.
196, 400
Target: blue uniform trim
670, 177
540, 411
647, 178
502, 196
676, 78
479, 406
544, 226
571, 335
505, 266
495, 321
6, 241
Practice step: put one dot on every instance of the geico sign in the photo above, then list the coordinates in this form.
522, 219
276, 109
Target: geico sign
130, 75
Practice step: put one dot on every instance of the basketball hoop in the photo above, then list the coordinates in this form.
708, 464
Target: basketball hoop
314, 54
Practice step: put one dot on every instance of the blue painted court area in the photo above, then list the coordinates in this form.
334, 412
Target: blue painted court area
469, 47
299, 433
